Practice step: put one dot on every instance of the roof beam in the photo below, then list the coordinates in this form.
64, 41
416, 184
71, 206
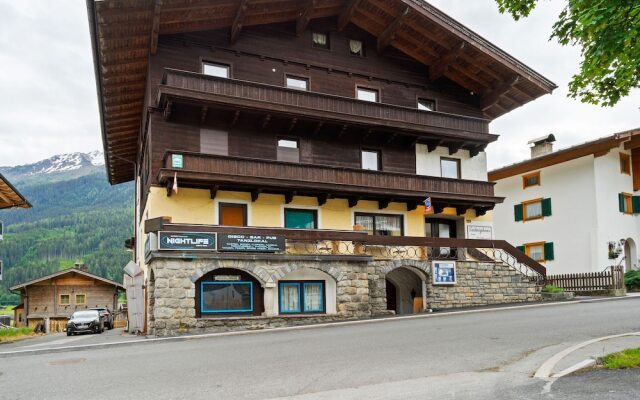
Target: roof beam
387, 36
305, 17
492, 97
437, 71
236, 26
347, 13
155, 27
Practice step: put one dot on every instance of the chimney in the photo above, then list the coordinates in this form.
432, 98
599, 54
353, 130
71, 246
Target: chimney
542, 145
79, 265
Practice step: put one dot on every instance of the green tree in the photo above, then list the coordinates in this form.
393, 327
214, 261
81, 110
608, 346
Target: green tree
608, 33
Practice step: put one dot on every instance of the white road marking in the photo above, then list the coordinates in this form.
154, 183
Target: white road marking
56, 342
582, 364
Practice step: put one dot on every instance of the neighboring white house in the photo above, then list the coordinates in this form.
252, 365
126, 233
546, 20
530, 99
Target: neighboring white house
576, 209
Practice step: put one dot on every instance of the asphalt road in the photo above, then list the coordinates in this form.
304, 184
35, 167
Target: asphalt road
490, 355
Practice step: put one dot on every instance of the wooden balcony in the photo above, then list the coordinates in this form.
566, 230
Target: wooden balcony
266, 176
194, 88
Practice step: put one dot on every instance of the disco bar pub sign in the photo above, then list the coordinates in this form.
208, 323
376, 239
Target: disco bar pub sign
203, 241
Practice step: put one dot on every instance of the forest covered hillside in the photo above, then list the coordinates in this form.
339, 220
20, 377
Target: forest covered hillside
76, 215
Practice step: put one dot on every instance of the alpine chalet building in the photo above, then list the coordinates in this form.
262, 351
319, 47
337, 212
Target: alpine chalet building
283, 151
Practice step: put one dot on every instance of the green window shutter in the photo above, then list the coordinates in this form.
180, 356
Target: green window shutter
546, 207
548, 251
517, 210
621, 202
521, 248
636, 204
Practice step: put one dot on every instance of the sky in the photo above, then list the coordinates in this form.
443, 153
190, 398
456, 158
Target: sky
48, 102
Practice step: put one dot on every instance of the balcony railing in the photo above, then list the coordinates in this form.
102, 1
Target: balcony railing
207, 170
274, 99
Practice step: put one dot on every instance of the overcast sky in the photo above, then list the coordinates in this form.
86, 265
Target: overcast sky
48, 99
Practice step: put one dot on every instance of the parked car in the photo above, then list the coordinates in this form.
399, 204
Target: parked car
106, 315
85, 321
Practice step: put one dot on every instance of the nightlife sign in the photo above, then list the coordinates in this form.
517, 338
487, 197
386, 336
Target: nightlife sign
186, 241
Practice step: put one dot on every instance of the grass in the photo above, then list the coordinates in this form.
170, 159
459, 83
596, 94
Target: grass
8, 310
552, 289
7, 335
629, 358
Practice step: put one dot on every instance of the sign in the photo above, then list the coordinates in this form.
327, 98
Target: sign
251, 243
479, 232
177, 161
226, 278
186, 241
444, 272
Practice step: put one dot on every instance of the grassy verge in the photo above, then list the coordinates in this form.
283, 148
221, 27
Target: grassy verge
629, 358
8, 310
11, 334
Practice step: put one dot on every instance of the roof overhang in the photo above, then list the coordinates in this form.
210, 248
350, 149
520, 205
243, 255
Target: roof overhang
65, 272
10, 197
125, 32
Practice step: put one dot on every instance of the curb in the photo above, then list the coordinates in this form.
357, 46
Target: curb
154, 340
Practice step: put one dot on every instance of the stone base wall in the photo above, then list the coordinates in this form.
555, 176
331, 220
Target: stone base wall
481, 284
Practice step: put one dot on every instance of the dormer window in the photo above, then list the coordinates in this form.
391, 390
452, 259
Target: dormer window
214, 69
320, 40
356, 48
426, 105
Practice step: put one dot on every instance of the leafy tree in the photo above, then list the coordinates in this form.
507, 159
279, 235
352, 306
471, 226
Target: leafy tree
608, 32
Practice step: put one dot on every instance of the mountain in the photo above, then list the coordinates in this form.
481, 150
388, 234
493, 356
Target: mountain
76, 215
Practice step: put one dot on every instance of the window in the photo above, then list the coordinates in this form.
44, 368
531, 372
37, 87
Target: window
231, 214
81, 299
532, 209
226, 297
625, 164
294, 82
629, 204
300, 219
356, 48
450, 168
532, 179
65, 299
541, 251
320, 40
426, 105
370, 159
301, 297
288, 150
214, 141
367, 94
380, 224
219, 70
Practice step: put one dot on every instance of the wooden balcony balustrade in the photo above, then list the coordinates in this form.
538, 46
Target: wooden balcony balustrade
195, 87
237, 173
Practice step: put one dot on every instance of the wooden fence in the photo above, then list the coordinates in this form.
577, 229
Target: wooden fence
610, 279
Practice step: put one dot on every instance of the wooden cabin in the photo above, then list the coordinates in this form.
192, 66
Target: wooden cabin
52, 299
282, 149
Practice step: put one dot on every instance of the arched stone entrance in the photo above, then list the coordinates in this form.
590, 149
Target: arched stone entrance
406, 290
630, 255
224, 292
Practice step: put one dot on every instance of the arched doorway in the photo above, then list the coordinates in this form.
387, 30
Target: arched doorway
405, 291
630, 255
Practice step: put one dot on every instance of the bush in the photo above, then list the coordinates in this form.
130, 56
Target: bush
552, 289
632, 280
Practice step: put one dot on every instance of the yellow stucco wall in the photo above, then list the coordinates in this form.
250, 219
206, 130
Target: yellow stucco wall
195, 206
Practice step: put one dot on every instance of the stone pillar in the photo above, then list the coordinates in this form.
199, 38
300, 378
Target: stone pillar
270, 296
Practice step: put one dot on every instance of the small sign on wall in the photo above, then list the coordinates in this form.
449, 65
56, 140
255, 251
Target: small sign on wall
251, 243
177, 161
479, 232
444, 272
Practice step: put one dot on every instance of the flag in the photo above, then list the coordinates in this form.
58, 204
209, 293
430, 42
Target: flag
175, 183
427, 205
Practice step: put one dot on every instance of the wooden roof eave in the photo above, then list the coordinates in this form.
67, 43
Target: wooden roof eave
10, 196
64, 272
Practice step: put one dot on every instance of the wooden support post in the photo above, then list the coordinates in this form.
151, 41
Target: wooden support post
439, 70
155, 27
347, 13
236, 26
492, 97
305, 17
387, 36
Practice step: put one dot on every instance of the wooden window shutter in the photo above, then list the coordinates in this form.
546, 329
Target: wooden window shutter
517, 210
213, 141
546, 207
548, 251
521, 248
621, 202
635, 203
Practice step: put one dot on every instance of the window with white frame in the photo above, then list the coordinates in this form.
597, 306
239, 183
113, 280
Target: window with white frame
295, 82
215, 69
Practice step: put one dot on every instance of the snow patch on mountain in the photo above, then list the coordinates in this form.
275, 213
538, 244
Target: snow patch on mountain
57, 164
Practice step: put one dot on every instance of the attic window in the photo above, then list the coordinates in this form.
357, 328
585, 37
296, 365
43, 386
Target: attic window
320, 40
426, 105
356, 48
214, 69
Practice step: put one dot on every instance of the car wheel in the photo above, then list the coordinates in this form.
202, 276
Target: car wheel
68, 333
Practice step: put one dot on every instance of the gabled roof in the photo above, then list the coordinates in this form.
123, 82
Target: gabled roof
631, 139
65, 272
125, 32
9, 195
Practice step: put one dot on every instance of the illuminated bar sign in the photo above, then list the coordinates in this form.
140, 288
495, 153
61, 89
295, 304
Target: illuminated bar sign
250, 243
186, 241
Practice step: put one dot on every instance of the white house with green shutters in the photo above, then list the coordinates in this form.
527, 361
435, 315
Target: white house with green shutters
575, 209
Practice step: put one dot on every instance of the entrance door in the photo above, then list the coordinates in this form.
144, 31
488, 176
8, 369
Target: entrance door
440, 228
232, 214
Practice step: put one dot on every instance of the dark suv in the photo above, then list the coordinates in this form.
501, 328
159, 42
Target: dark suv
106, 315
85, 321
